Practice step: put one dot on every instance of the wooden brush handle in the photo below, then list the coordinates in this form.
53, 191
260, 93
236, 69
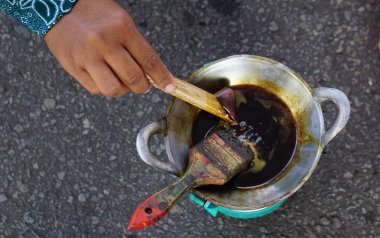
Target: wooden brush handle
199, 98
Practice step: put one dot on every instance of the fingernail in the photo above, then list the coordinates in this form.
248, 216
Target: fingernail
169, 88
147, 91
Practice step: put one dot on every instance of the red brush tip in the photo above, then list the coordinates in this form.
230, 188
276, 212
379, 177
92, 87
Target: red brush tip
146, 214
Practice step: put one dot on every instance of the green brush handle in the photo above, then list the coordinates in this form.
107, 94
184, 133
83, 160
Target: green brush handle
156, 206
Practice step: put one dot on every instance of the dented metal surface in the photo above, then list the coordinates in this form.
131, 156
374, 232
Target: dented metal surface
288, 86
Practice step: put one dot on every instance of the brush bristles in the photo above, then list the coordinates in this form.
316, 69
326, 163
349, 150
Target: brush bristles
226, 152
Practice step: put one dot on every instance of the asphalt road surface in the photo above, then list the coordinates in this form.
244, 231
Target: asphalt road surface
68, 162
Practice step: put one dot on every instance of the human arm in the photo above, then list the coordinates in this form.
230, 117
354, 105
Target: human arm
98, 43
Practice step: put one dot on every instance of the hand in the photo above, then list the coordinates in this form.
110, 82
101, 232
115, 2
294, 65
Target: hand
99, 45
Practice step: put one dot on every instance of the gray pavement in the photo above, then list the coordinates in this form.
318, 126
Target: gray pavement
68, 163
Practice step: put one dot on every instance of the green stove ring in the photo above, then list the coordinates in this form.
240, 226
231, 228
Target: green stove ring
240, 214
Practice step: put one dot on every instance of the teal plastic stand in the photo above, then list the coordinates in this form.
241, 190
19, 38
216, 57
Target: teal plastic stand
240, 214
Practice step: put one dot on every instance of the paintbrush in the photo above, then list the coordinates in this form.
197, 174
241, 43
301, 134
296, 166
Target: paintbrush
213, 161
202, 99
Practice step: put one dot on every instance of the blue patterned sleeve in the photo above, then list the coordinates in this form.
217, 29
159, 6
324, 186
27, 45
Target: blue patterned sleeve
37, 15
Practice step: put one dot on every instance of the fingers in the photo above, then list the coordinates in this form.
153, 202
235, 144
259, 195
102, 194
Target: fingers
86, 81
105, 79
106, 52
128, 71
149, 60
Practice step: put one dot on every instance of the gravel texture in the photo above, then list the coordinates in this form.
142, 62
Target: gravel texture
68, 162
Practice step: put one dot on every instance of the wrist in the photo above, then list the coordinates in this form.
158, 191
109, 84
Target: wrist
39, 16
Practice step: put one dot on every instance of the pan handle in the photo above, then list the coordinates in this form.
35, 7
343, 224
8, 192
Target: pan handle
143, 148
323, 94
